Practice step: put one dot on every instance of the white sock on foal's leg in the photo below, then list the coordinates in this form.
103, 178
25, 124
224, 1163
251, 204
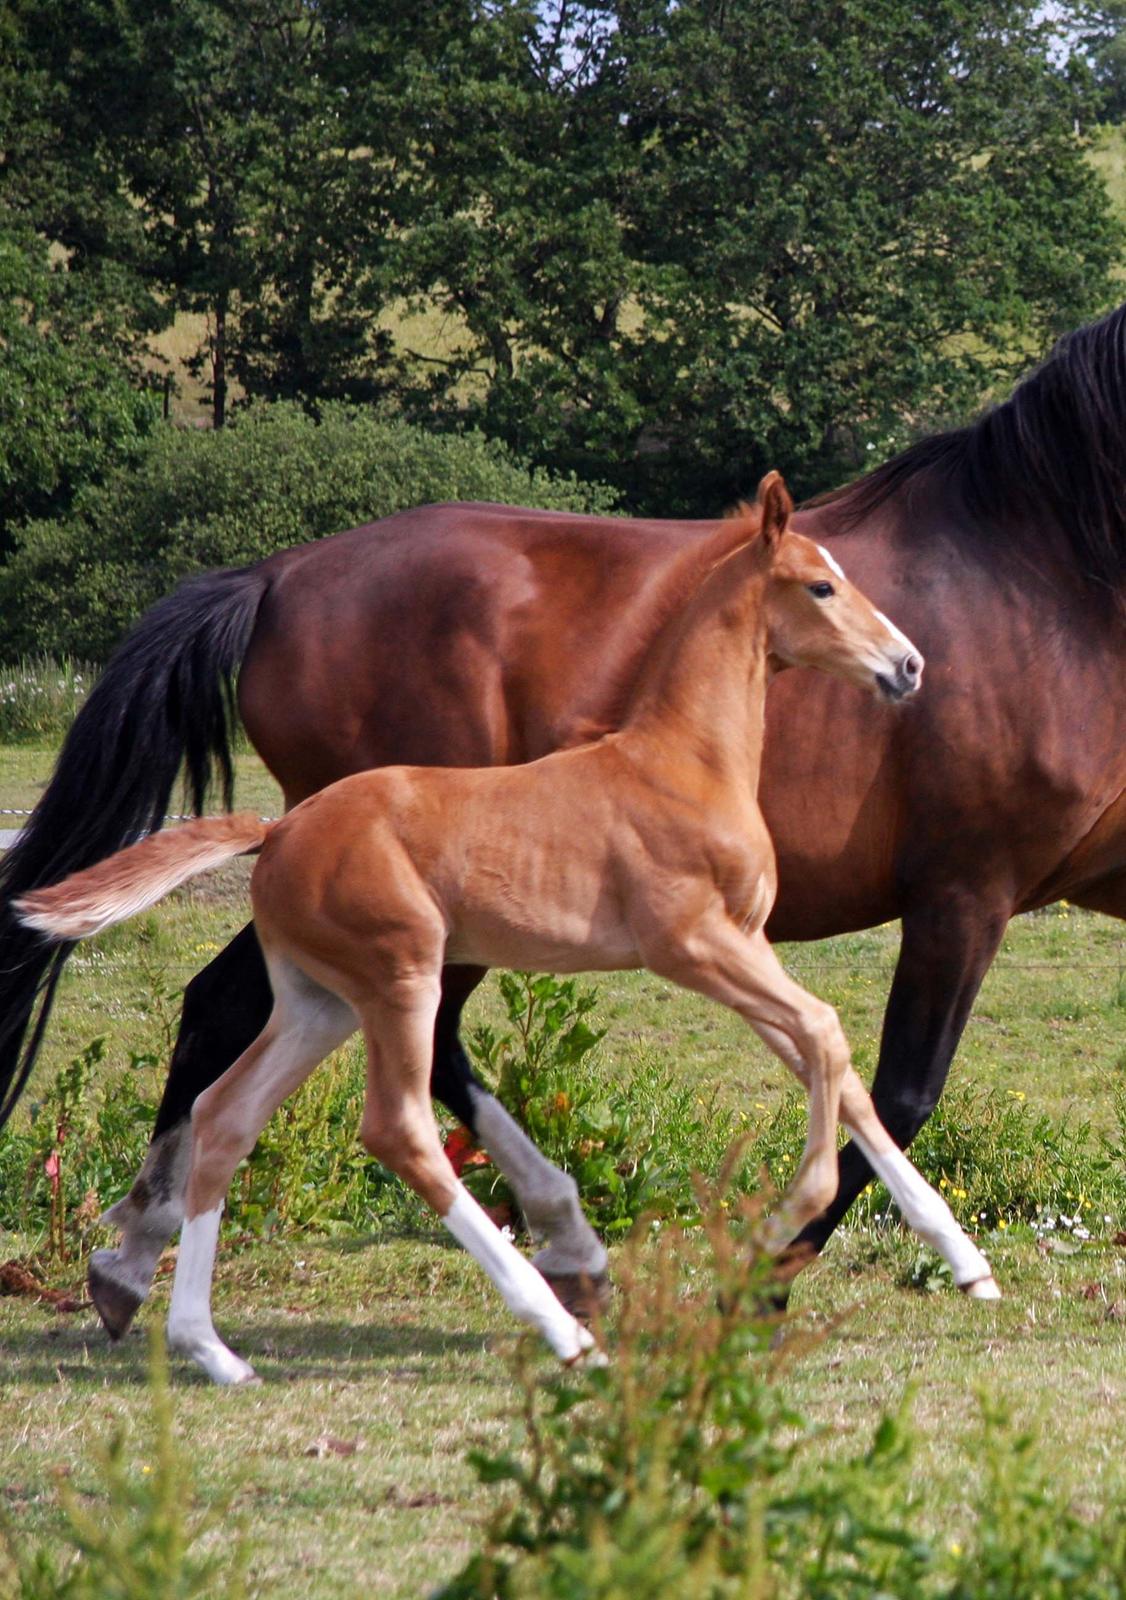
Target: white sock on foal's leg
525, 1293
926, 1211
190, 1329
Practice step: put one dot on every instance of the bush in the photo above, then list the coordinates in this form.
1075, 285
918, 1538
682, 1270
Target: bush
996, 1161
631, 1143
199, 499
681, 1468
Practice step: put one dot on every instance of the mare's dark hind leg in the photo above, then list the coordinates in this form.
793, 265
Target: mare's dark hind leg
225, 1008
573, 1259
946, 951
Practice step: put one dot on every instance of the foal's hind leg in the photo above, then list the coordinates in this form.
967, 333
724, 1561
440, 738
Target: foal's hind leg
307, 1022
225, 1008
573, 1259
399, 1129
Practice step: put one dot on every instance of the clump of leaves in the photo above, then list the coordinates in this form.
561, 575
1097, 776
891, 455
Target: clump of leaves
670, 1469
631, 1143
143, 1537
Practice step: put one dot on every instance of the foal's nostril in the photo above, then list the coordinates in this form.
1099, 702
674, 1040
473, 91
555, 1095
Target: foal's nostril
912, 666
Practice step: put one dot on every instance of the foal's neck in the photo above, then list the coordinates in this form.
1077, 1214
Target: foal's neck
701, 696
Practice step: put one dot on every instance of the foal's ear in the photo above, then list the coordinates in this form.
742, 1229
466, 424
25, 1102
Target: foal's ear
776, 508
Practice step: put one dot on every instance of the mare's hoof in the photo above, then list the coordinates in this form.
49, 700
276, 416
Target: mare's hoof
115, 1303
584, 1294
981, 1289
771, 1296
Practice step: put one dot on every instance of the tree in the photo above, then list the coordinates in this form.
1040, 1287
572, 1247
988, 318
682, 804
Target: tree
257, 147
69, 413
1103, 44
758, 232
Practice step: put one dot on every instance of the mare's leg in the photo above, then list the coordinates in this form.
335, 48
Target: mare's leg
946, 951
225, 1008
307, 1022
573, 1259
399, 1129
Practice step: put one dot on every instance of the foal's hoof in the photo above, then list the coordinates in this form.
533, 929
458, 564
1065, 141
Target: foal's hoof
584, 1294
115, 1302
981, 1289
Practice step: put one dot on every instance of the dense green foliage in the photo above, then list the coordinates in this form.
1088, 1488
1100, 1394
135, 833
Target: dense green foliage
1104, 41
201, 499
68, 410
772, 234
669, 244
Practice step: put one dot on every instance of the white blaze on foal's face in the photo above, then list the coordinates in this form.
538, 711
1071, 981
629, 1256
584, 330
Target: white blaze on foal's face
817, 618
832, 563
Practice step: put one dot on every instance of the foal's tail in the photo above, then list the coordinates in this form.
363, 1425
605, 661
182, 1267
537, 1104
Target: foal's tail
139, 876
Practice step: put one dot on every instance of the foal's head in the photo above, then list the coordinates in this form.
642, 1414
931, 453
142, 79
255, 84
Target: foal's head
816, 618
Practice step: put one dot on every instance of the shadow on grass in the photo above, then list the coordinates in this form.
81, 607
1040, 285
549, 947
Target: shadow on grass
282, 1352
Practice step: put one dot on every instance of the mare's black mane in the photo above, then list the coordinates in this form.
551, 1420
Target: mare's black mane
1057, 446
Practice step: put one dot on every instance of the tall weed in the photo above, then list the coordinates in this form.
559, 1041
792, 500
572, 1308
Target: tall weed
143, 1538
40, 697
682, 1468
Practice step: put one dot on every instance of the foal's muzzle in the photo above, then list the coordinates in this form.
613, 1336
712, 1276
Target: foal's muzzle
904, 679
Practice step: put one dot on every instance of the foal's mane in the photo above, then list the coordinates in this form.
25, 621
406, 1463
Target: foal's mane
1057, 445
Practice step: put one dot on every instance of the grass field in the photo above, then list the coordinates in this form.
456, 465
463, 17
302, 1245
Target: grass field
396, 1345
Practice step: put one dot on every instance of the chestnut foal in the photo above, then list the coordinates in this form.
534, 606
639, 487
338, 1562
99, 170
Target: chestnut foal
642, 848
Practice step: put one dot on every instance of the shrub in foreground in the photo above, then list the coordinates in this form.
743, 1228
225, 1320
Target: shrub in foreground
142, 1536
681, 1469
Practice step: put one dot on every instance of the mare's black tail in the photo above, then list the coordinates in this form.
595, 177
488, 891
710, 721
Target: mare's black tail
164, 701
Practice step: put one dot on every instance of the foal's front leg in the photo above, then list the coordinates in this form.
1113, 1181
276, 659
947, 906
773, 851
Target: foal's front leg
744, 973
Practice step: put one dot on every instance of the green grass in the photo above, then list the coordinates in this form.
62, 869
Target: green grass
396, 1343
398, 1347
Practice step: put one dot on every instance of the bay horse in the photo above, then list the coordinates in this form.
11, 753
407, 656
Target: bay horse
642, 848
469, 635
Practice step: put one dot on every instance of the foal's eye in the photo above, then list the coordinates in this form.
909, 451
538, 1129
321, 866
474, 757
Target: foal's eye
821, 591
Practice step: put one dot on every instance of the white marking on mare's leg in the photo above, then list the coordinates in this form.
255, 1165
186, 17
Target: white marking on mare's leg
148, 1216
191, 1332
525, 1293
548, 1198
